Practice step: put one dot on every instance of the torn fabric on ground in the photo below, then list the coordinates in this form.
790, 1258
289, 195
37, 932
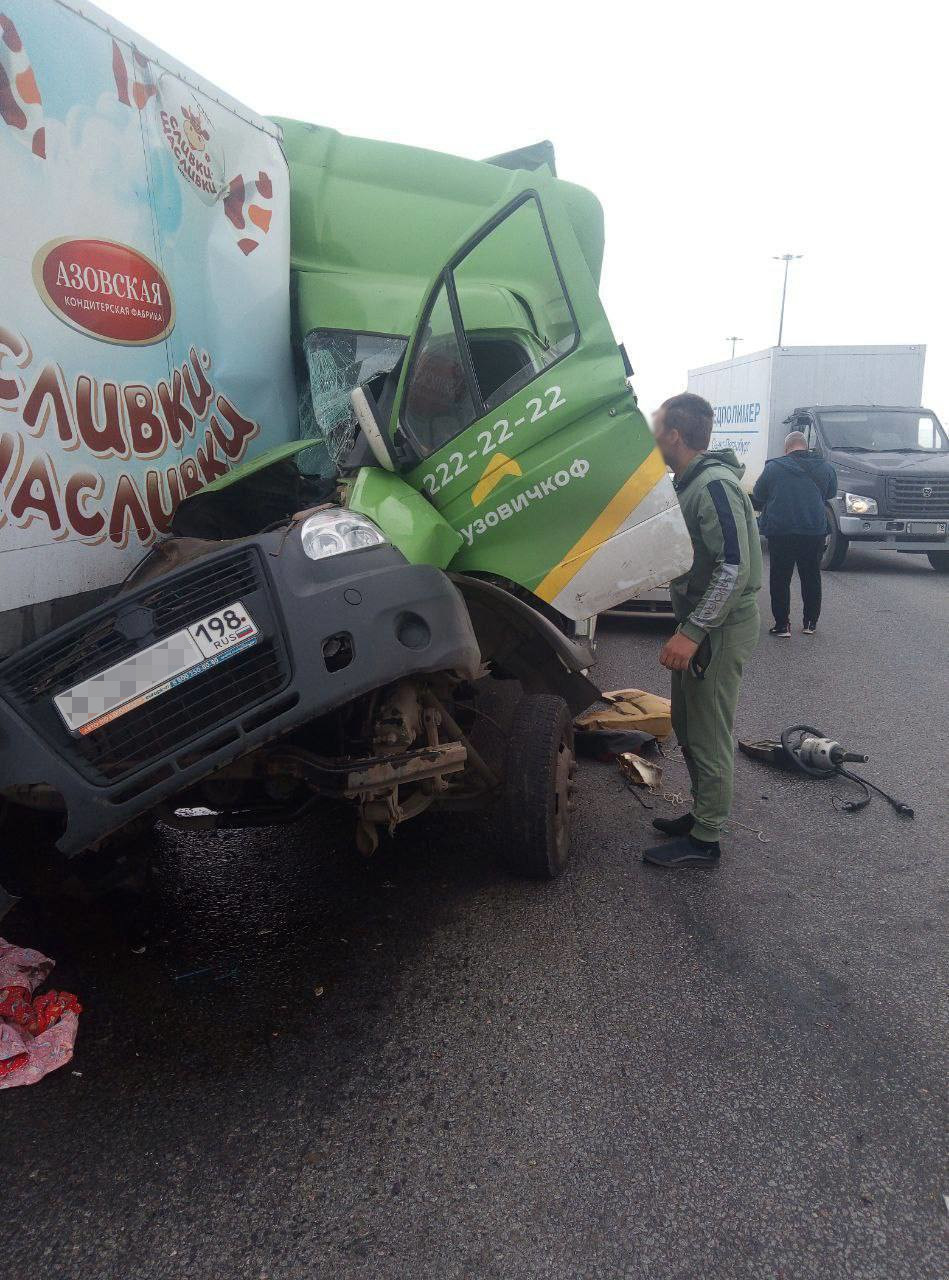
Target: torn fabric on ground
37, 1033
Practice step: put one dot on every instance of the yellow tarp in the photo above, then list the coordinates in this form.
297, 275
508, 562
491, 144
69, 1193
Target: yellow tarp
630, 709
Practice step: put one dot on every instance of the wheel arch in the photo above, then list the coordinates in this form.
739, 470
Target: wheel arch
520, 642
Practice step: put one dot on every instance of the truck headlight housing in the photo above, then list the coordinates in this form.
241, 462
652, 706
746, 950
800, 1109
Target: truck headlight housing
857, 505
336, 531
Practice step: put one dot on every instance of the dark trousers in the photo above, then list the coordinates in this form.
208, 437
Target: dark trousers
805, 551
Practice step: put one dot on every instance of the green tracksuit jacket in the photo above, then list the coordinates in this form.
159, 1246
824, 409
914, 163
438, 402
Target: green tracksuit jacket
716, 605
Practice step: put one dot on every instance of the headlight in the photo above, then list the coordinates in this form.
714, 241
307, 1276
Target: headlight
335, 531
858, 505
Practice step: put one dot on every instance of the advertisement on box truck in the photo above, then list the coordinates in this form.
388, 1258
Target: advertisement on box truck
144, 299
754, 394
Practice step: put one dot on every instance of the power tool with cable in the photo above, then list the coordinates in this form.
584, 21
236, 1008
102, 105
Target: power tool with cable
808, 750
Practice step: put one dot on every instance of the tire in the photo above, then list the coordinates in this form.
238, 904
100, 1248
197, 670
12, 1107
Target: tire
939, 560
538, 787
835, 553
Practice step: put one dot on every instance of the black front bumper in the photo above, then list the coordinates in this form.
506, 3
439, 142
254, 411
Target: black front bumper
391, 620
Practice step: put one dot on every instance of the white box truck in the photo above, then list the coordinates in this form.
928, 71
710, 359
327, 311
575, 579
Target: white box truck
144, 301
860, 407
754, 394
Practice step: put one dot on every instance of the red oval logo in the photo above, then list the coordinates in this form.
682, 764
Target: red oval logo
107, 290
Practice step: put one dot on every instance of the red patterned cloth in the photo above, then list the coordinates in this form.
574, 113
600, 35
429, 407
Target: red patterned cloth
38, 1015
37, 1034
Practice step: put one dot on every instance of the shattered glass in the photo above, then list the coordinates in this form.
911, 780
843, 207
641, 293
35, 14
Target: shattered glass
337, 362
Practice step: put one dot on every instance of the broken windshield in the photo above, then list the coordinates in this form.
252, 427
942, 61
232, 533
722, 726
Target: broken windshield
883, 430
337, 361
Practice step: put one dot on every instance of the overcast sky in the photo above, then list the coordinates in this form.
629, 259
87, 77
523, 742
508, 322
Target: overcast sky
715, 135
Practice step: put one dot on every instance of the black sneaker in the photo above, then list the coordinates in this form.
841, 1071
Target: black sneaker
675, 826
686, 851
784, 632
809, 628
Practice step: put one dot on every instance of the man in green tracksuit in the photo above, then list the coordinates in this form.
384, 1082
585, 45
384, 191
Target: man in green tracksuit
716, 608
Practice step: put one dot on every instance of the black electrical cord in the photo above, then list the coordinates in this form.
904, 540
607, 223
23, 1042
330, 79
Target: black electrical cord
851, 807
837, 771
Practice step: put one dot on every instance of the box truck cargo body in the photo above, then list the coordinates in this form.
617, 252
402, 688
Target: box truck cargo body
144, 300
754, 394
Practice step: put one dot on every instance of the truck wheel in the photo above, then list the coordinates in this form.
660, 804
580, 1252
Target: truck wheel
835, 553
939, 560
538, 787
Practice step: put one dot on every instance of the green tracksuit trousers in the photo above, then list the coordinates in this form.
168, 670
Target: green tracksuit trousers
703, 719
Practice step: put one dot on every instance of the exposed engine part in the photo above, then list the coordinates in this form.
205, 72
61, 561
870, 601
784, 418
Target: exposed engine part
474, 757
387, 810
398, 718
374, 777
416, 748
434, 762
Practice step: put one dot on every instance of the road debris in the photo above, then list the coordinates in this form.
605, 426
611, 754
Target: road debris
630, 710
640, 772
632, 722
37, 1033
604, 745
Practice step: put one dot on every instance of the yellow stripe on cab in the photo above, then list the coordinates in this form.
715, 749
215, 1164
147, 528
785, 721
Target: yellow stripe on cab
644, 479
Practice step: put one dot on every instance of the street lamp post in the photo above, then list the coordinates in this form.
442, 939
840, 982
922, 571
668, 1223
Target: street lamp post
733, 339
787, 259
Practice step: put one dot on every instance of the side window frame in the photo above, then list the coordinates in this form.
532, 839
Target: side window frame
814, 439
446, 280
804, 423
467, 363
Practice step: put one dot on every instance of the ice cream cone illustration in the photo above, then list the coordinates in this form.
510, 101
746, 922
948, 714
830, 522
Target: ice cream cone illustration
21, 106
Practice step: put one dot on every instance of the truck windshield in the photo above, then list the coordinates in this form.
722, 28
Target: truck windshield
883, 431
337, 361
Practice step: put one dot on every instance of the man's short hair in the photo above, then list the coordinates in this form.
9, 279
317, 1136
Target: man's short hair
794, 440
693, 418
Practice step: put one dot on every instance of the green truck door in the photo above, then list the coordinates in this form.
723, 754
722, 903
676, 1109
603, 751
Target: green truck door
523, 433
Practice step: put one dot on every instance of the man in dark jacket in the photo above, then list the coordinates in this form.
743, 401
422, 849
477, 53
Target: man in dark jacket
791, 493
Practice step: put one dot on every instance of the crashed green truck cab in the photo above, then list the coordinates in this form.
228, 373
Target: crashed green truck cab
473, 483
469, 290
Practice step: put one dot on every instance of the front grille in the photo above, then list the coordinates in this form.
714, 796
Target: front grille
158, 729
906, 497
83, 649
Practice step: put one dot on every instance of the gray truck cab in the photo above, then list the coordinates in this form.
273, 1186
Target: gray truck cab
892, 465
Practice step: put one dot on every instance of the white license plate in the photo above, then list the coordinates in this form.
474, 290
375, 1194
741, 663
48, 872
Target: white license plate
151, 672
933, 528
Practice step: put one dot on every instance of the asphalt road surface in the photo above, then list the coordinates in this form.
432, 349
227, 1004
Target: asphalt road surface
414, 1066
